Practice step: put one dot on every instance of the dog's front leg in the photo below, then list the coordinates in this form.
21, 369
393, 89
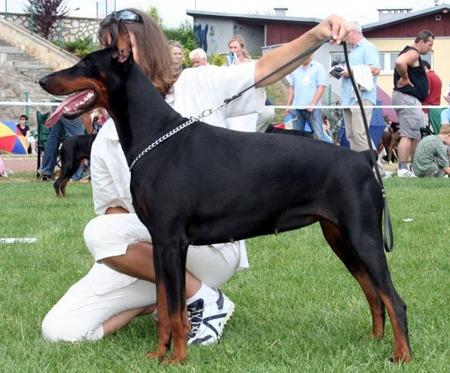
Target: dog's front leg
170, 268
163, 324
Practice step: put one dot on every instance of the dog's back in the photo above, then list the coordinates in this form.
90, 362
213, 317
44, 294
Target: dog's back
290, 173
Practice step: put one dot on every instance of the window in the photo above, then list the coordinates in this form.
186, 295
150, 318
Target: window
336, 57
387, 61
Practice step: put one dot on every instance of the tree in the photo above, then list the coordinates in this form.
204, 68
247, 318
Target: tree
184, 34
154, 13
45, 13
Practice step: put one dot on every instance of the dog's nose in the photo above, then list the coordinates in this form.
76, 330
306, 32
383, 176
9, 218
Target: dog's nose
43, 81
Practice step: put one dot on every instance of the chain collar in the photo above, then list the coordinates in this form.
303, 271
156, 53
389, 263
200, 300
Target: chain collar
162, 139
188, 122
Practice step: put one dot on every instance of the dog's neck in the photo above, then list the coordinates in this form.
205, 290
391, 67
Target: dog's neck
140, 113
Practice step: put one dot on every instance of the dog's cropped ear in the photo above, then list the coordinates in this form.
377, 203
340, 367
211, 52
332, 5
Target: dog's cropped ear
122, 49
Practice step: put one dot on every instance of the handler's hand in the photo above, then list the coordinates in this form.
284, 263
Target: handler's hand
402, 82
345, 74
333, 26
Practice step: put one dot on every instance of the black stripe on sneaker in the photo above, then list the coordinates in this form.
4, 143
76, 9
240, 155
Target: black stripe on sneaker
206, 319
199, 341
220, 301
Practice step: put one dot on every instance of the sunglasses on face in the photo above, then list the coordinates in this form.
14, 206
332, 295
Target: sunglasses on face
122, 15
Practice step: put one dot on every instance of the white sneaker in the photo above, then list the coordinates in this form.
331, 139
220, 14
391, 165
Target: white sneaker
404, 172
208, 319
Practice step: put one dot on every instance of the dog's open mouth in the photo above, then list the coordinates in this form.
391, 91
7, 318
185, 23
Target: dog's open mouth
73, 106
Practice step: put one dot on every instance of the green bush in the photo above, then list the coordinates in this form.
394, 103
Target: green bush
217, 59
80, 47
184, 34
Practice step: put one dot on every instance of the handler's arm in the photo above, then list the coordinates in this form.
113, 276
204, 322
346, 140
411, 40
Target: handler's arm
332, 26
401, 65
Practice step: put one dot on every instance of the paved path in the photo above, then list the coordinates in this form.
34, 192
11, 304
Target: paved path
19, 163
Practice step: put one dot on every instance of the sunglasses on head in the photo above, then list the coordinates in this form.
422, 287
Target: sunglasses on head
122, 15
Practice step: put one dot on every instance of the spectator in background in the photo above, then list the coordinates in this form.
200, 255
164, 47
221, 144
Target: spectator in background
238, 51
23, 129
198, 57
251, 122
365, 63
63, 128
239, 55
434, 92
431, 158
410, 89
306, 86
177, 52
327, 126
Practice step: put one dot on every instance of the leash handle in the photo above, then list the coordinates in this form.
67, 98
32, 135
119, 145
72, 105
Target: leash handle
388, 236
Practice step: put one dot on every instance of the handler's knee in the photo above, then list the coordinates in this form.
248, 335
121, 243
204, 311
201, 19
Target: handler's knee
57, 329
94, 233
109, 235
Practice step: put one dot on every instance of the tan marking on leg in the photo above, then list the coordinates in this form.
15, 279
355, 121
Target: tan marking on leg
164, 332
402, 353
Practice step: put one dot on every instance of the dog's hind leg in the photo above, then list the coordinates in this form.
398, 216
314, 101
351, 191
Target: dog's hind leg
60, 186
368, 247
342, 249
170, 268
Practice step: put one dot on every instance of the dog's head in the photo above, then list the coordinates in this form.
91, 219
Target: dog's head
92, 79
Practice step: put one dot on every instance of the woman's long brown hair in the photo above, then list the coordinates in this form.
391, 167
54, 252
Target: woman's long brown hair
154, 53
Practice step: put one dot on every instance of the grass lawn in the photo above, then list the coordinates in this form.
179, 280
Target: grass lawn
298, 309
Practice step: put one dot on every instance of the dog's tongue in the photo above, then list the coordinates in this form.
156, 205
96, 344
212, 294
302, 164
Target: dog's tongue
68, 105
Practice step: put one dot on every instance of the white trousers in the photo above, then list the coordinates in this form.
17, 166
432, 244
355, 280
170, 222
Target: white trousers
104, 293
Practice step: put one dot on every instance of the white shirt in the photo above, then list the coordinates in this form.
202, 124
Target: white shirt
196, 90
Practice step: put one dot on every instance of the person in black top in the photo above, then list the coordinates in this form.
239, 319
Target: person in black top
410, 89
22, 128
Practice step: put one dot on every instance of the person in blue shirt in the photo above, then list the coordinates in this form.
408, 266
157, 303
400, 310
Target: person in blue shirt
366, 58
306, 86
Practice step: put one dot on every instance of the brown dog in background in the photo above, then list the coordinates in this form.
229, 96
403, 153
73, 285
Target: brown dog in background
389, 142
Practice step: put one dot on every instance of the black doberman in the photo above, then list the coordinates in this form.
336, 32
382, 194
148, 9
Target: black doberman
73, 150
207, 184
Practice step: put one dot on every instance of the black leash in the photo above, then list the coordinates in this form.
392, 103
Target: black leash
388, 236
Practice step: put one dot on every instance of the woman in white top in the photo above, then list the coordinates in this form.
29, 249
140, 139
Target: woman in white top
120, 285
238, 55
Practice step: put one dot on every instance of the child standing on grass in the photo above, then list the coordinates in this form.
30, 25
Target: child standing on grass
431, 157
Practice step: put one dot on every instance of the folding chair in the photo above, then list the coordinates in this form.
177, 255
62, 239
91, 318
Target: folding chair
434, 118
